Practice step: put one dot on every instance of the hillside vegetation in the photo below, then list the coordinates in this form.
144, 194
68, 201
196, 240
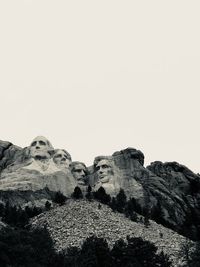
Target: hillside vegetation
70, 224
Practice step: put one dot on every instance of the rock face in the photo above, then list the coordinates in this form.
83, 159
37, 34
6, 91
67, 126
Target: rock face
181, 207
166, 192
27, 198
10, 154
169, 193
35, 167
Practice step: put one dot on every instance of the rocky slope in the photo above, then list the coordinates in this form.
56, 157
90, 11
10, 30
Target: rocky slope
71, 224
168, 192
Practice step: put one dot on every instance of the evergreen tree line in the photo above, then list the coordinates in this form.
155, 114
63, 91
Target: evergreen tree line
131, 209
22, 246
118, 203
16, 216
95, 252
34, 248
25, 247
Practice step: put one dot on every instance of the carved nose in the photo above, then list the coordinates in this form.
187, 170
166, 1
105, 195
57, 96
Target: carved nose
37, 147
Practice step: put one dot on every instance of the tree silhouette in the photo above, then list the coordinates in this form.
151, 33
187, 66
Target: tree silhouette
20, 247
77, 194
89, 193
59, 198
48, 205
113, 204
121, 201
102, 196
129, 211
95, 252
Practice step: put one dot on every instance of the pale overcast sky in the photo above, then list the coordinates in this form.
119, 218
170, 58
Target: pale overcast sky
95, 77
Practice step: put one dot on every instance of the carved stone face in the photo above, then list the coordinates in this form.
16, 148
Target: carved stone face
79, 172
104, 169
40, 148
62, 158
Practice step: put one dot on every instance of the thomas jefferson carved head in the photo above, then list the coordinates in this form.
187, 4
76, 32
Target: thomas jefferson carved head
62, 158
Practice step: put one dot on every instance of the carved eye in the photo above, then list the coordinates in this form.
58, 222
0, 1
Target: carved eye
79, 170
34, 143
42, 143
58, 156
104, 166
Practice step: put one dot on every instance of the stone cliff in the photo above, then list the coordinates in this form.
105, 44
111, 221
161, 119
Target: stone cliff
168, 193
33, 168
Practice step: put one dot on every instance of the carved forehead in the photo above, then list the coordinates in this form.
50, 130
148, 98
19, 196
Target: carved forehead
62, 152
104, 162
43, 139
78, 165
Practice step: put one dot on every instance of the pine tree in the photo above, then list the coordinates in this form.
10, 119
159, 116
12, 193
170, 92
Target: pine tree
95, 253
129, 211
2, 209
48, 205
71, 257
121, 200
23, 247
102, 196
59, 198
145, 253
89, 193
22, 218
77, 194
118, 253
194, 259
164, 260
146, 221
113, 204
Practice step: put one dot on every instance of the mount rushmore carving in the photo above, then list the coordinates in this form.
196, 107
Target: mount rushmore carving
43, 166
170, 188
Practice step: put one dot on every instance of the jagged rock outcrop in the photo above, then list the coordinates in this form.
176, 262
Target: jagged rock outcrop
183, 203
122, 171
71, 224
27, 198
10, 153
166, 192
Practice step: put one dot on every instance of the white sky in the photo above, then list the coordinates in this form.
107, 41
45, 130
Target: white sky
95, 77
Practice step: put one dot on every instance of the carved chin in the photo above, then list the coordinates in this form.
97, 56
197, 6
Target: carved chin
62, 164
81, 182
105, 179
